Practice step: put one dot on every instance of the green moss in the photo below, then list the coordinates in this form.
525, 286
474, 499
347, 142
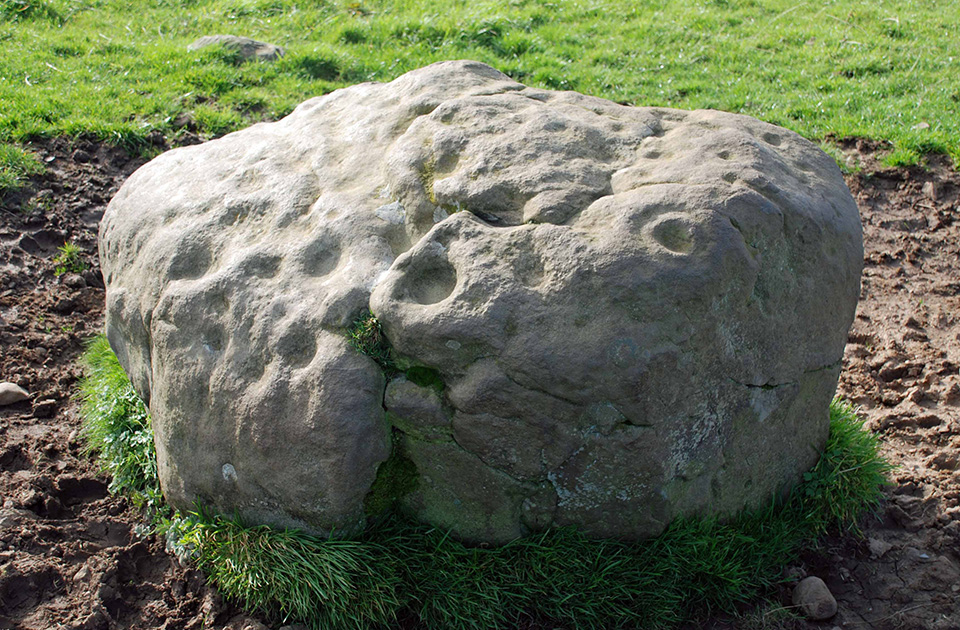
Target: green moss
425, 377
427, 177
396, 477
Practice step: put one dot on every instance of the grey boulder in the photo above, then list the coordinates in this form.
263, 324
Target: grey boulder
247, 48
627, 314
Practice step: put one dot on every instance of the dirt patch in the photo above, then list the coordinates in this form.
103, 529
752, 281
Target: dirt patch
70, 556
69, 553
902, 366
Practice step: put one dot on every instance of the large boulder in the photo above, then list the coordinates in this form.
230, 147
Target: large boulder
615, 316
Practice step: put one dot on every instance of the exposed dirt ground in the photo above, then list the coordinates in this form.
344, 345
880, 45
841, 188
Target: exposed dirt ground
70, 556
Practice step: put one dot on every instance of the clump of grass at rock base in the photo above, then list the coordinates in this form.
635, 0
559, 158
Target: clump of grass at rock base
116, 426
402, 568
120, 70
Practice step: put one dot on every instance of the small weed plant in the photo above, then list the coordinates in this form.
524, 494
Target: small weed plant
402, 569
68, 260
366, 336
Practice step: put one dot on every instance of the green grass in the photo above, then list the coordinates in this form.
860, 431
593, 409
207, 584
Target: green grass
366, 336
16, 165
68, 260
402, 569
118, 70
116, 426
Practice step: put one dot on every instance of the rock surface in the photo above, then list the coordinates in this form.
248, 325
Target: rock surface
814, 599
633, 313
246, 47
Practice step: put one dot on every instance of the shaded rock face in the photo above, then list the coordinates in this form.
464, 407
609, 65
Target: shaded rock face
632, 314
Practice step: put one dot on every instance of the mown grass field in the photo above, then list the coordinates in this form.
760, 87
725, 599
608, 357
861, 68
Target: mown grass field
118, 69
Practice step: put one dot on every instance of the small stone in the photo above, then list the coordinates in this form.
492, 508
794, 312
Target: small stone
930, 190
878, 547
92, 278
920, 126
11, 393
73, 280
246, 47
45, 408
916, 395
82, 575
814, 599
11, 517
65, 306
912, 322
184, 120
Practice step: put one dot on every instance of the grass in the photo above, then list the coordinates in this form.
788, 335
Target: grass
16, 165
366, 336
400, 569
118, 70
116, 426
68, 260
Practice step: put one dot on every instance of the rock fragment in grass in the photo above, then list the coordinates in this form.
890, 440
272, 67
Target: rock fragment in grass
244, 46
626, 314
11, 393
814, 599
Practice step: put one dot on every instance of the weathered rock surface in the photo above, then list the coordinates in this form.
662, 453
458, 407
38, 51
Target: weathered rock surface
244, 46
635, 313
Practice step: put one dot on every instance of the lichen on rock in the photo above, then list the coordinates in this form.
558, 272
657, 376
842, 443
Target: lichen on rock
600, 316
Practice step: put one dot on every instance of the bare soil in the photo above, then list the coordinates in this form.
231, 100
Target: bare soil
71, 555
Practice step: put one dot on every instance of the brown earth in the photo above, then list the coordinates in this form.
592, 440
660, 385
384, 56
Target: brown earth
71, 555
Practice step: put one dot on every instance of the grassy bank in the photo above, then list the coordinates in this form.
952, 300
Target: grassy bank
119, 70
402, 569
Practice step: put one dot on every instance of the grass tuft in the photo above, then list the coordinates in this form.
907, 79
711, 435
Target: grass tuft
291, 575
400, 569
845, 480
16, 10
16, 165
366, 336
116, 426
68, 260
